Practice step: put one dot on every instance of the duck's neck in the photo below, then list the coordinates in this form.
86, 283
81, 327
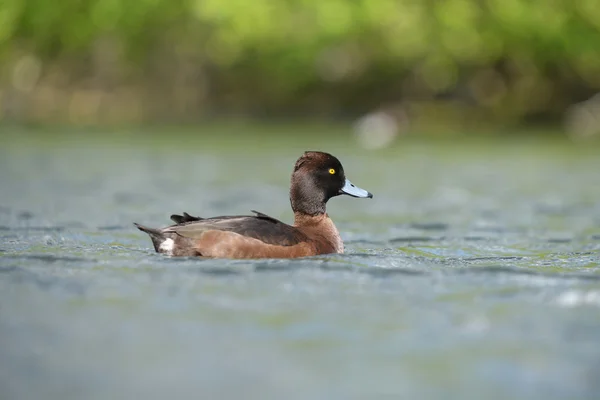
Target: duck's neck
320, 226
306, 197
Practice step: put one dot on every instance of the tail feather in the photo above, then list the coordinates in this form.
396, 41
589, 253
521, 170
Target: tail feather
156, 235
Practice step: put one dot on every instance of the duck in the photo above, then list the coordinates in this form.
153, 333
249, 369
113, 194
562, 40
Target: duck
317, 177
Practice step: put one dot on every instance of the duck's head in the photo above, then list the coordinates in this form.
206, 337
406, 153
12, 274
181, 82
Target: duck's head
317, 177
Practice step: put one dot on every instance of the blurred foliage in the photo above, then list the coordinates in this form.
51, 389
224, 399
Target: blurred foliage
144, 59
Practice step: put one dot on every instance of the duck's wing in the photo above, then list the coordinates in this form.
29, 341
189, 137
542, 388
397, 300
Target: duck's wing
262, 227
187, 218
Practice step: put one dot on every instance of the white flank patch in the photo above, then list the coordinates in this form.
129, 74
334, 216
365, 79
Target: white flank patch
167, 246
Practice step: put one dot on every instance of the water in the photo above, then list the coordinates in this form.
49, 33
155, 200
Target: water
473, 273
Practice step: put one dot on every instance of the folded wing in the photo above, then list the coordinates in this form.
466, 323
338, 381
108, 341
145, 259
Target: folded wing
262, 227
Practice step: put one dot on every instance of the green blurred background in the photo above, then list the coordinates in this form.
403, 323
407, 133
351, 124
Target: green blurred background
396, 66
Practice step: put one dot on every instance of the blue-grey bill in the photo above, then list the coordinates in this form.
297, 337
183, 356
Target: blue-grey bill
355, 191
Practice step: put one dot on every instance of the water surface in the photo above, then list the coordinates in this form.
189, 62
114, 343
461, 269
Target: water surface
473, 273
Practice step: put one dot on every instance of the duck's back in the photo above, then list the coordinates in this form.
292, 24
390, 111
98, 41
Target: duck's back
241, 236
260, 227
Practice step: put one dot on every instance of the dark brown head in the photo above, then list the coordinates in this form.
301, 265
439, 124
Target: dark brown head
317, 177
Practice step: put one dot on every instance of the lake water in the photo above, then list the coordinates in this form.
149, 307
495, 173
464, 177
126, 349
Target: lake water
473, 273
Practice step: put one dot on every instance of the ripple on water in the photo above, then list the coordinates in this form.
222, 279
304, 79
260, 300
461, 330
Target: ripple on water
51, 229
48, 258
114, 228
433, 226
415, 239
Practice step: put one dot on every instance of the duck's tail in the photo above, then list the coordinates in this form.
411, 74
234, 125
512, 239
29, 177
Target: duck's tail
156, 235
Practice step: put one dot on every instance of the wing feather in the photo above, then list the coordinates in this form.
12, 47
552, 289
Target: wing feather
262, 227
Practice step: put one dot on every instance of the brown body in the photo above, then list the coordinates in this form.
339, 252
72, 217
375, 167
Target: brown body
316, 178
313, 236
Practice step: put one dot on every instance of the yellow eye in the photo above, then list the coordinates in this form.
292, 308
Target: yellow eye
331, 171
